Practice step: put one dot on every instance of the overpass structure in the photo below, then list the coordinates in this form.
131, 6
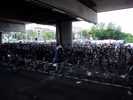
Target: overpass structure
14, 14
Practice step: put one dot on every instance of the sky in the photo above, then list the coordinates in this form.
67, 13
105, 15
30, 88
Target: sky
124, 18
33, 25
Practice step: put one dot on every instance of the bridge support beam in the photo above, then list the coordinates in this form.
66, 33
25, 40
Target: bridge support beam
73, 8
64, 33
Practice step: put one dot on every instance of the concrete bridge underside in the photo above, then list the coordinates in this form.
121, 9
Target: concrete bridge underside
61, 13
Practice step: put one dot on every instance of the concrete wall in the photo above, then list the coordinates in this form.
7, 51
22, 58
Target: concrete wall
11, 27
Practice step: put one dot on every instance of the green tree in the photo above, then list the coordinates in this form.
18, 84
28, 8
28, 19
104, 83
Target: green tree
48, 35
110, 31
128, 38
85, 34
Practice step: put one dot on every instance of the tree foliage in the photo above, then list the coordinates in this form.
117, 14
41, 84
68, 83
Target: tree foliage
111, 31
48, 35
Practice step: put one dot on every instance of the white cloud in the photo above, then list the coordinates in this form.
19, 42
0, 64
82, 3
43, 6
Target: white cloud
82, 24
124, 18
33, 25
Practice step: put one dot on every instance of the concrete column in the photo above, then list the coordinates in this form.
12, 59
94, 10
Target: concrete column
64, 33
0, 37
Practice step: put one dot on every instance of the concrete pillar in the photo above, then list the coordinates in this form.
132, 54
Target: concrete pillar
0, 37
64, 33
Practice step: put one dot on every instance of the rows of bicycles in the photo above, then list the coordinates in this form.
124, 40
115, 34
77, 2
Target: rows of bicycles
105, 63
